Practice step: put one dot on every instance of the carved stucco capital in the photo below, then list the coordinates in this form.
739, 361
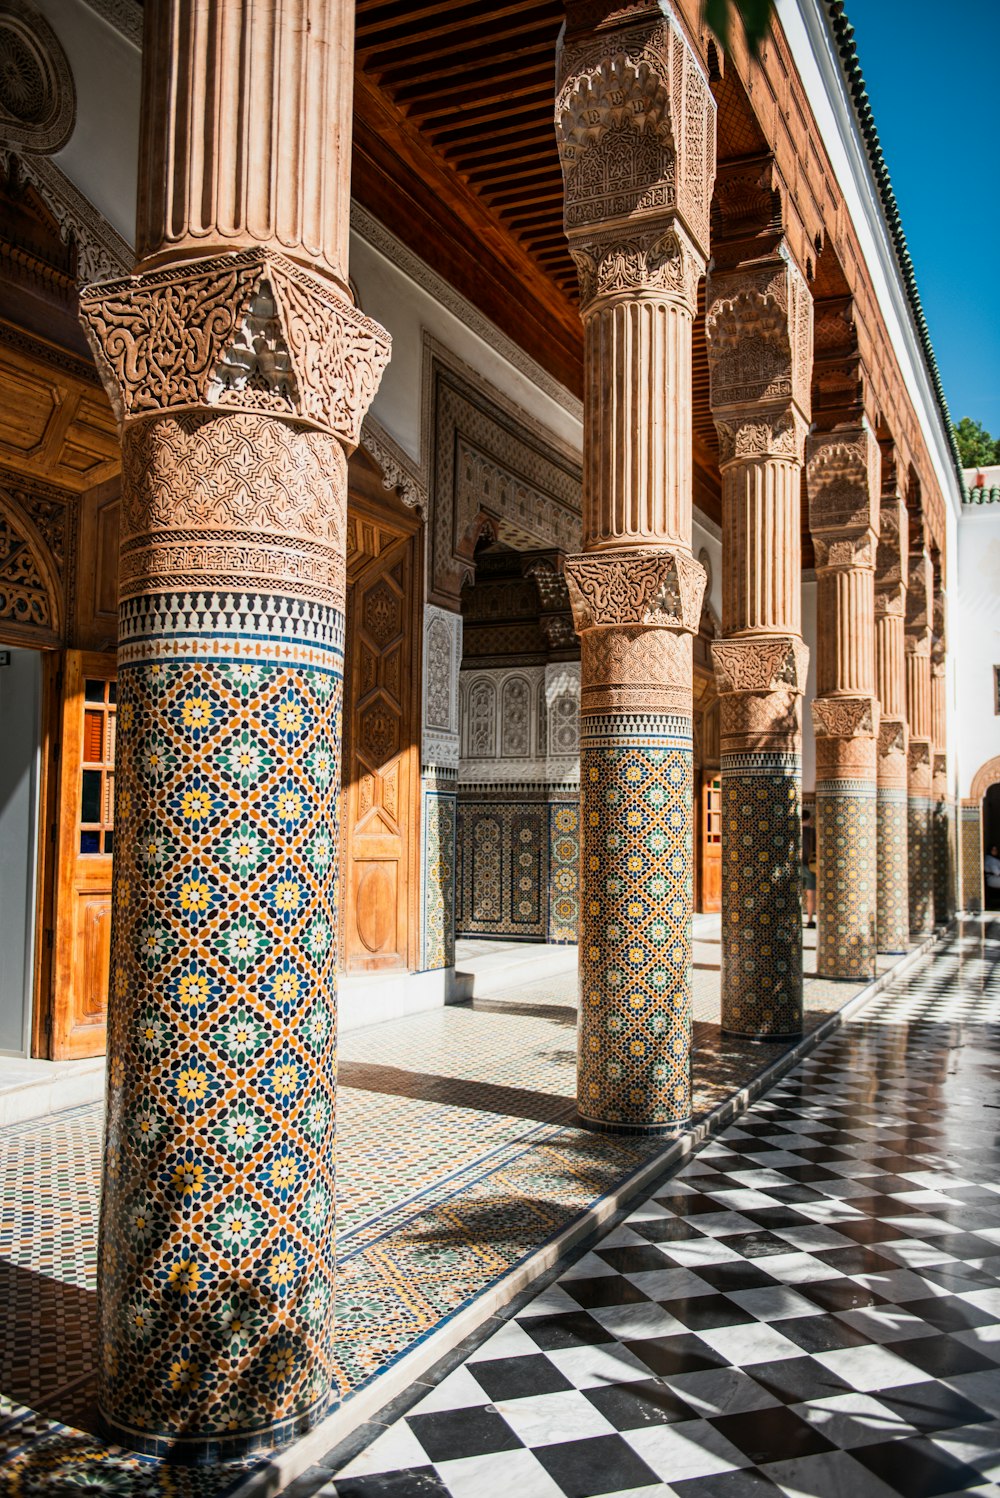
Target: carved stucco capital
758, 327
644, 586
845, 717
769, 664
250, 332
891, 558
892, 738
842, 474
660, 262
761, 434
838, 554
635, 122
890, 601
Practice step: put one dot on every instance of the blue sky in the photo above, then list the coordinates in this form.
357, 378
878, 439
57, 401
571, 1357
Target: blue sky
930, 67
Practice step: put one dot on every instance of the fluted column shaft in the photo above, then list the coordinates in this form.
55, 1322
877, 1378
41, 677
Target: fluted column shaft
636, 590
240, 381
919, 614
843, 479
761, 664
892, 841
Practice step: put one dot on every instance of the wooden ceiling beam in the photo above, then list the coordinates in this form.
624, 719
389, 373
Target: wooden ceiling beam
438, 20
392, 65
475, 117
419, 102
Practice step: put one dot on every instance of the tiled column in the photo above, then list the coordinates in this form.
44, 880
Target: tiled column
843, 479
971, 838
240, 371
892, 897
940, 809
636, 126
439, 783
919, 596
759, 330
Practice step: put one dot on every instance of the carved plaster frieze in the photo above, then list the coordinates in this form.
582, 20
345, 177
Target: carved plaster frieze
842, 473
891, 557
844, 552
918, 759
641, 586
768, 664
762, 435
760, 722
660, 262
758, 327
892, 738
635, 122
890, 602
399, 472
248, 332
101, 252
940, 766
917, 642
442, 660
635, 669
845, 717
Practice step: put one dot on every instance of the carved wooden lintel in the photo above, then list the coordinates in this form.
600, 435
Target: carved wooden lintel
251, 332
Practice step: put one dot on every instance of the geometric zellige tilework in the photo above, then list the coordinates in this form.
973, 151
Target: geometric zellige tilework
635, 936
217, 1250
564, 872
892, 875
921, 864
761, 904
846, 904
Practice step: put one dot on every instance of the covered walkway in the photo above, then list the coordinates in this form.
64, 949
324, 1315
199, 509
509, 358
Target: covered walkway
461, 1178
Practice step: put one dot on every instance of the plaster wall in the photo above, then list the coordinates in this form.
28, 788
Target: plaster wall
976, 642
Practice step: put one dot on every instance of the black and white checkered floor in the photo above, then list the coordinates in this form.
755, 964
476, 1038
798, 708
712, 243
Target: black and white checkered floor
811, 1306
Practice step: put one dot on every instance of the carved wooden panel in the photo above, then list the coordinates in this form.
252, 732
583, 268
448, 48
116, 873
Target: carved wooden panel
96, 626
382, 734
710, 844
54, 425
83, 867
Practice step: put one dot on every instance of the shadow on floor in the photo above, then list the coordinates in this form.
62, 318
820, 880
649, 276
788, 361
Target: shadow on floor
48, 1344
457, 1092
559, 1014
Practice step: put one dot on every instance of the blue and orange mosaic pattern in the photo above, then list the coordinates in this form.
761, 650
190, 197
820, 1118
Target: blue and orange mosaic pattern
846, 896
635, 932
921, 863
761, 895
971, 831
892, 879
218, 1222
564, 873
438, 932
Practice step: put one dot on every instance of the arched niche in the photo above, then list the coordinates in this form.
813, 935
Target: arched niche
31, 598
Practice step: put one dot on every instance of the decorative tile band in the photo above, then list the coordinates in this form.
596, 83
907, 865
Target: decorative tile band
846, 894
218, 1219
892, 877
635, 930
564, 872
761, 901
609, 730
438, 930
921, 865
770, 762
971, 834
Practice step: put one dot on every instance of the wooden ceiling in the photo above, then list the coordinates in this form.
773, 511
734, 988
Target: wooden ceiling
455, 151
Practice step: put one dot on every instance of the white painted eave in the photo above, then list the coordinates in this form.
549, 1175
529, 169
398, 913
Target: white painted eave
807, 29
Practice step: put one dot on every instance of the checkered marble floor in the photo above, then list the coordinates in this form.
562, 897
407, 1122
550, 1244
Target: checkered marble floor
458, 1157
811, 1306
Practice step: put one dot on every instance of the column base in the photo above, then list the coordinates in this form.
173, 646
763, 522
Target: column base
200, 1451
598, 1126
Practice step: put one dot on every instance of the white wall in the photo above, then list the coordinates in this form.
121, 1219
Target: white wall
975, 646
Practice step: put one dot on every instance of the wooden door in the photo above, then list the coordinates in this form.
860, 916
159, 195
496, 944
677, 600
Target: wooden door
84, 839
711, 841
381, 761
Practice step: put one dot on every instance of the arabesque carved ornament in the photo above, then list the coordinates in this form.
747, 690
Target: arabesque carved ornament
762, 435
635, 121
644, 586
758, 327
246, 332
661, 261
769, 663
845, 717
842, 553
842, 473
892, 738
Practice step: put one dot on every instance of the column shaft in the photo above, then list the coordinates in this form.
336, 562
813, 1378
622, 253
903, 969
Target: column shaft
240, 381
920, 750
843, 467
971, 828
892, 883
761, 666
636, 127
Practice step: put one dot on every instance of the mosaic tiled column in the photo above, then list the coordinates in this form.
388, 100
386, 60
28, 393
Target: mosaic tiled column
920, 750
843, 478
892, 880
759, 330
240, 377
636, 127
943, 893
439, 783
971, 854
